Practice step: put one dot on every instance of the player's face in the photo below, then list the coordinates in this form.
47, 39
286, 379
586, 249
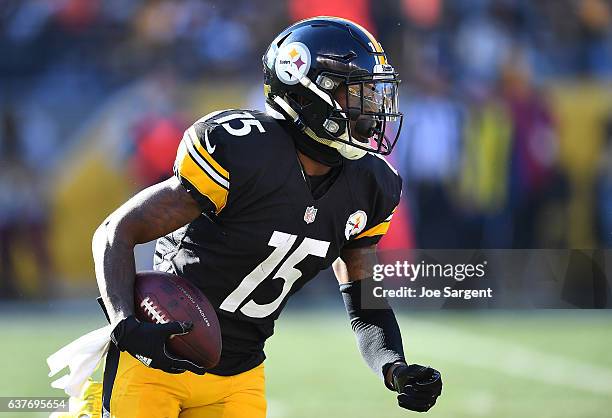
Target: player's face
365, 102
351, 104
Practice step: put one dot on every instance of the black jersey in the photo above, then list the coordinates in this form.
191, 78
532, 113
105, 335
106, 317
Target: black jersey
262, 235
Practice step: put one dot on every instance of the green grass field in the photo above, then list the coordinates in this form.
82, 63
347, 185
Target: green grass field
494, 364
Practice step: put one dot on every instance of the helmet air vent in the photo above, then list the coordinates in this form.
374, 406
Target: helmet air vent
341, 58
331, 126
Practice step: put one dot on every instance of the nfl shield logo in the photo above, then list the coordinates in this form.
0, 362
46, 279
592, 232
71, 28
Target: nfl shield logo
309, 215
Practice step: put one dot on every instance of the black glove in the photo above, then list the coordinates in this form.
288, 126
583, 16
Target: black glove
147, 342
418, 386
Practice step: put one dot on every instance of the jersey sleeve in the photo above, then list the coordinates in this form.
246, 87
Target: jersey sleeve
386, 190
372, 235
202, 166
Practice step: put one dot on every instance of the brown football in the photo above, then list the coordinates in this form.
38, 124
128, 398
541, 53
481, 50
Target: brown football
163, 297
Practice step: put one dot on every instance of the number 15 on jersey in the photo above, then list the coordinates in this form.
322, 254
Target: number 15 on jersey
283, 243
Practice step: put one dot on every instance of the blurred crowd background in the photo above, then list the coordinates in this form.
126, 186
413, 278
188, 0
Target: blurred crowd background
507, 139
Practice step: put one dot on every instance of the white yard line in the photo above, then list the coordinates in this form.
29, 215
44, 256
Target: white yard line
512, 359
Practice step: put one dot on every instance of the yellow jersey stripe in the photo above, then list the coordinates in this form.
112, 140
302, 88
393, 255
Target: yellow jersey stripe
205, 167
205, 154
192, 172
380, 229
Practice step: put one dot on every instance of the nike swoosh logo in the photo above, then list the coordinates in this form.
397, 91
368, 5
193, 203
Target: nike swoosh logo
209, 147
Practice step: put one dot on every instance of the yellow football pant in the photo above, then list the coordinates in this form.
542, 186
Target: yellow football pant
139, 391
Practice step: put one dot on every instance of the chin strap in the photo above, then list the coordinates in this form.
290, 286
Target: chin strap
346, 150
314, 149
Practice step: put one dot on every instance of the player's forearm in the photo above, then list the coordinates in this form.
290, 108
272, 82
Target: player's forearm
114, 263
376, 330
150, 214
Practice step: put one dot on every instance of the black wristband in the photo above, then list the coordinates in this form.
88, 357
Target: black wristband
389, 384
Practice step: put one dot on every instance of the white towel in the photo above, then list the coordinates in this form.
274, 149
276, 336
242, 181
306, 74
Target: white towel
82, 357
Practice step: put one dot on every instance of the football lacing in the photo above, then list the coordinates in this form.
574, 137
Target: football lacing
153, 311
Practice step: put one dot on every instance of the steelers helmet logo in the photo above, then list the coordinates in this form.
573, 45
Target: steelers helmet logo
355, 224
292, 62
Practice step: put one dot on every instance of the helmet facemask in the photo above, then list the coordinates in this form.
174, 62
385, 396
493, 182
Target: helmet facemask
369, 114
366, 119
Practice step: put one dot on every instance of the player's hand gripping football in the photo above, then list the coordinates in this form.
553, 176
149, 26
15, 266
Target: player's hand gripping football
147, 342
418, 386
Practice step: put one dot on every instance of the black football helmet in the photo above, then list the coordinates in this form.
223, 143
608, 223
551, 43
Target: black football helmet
331, 77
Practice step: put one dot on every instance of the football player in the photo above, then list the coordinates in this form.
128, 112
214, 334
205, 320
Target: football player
260, 202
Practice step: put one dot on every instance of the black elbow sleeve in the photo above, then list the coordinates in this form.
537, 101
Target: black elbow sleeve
376, 330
